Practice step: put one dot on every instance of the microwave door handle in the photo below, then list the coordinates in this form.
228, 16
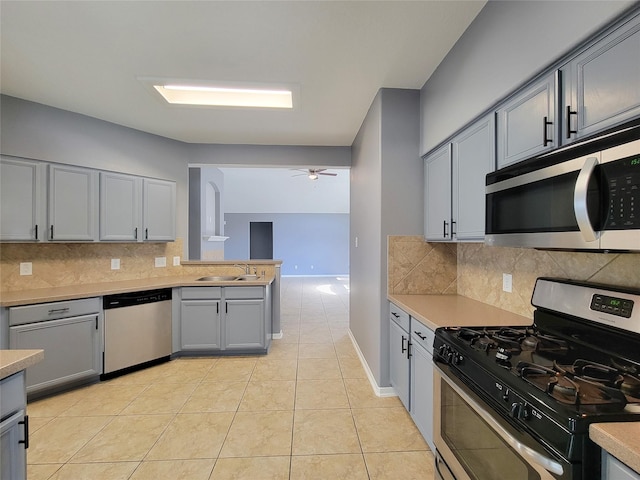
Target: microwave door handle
580, 199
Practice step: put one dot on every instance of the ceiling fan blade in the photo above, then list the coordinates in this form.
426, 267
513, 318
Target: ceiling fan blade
329, 174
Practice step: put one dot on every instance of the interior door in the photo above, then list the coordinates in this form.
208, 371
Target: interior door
261, 240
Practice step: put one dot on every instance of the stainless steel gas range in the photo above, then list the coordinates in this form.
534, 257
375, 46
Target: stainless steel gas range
517, 402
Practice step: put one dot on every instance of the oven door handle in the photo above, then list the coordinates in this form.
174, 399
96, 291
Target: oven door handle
527, 452
580, 199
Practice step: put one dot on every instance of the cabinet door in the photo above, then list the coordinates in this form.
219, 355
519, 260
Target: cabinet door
399, 362
527, 122
73, 202
614, 469
437, 195
244, 325
71, 350
120, 207
21, 200
13, 457
473, 158
200, 325
159, 215
603, 84
422, 391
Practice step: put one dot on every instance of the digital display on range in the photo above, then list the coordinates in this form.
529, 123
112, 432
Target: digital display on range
621, 307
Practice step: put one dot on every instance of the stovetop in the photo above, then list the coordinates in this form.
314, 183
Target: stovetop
560, 374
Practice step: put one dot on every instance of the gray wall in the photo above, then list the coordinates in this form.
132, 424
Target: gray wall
269, 155
505, 45
318, 240
386, 199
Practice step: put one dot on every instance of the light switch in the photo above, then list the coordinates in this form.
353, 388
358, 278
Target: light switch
176, 261
26, 268
161, 261
115, 264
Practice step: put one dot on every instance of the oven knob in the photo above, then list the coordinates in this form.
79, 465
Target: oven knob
505, 395
519, 411
457, 359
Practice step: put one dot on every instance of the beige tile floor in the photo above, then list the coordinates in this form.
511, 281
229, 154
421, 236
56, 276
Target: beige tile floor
304, 411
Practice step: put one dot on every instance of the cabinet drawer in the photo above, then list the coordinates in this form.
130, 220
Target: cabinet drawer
422, 336
195, 293
243, 292
12, 394
399, 316
53, 311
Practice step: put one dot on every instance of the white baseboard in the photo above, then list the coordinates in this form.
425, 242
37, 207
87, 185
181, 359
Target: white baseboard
378, 390
276, 336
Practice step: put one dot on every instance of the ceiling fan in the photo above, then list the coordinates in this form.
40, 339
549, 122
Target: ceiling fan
313, 173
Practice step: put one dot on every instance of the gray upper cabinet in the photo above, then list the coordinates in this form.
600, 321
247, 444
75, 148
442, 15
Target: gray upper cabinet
455, 184
22, 196
473, 158
437, 195
527, 122
601, 86
159, 210
73, 204
120, 207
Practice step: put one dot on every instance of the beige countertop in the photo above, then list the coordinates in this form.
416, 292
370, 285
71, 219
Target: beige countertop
622, 440
456, 311
12, 361
73, 292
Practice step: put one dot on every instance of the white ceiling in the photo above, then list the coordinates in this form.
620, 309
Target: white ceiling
88, 57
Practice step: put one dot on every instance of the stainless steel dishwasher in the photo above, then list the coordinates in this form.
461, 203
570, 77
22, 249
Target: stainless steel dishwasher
137, 328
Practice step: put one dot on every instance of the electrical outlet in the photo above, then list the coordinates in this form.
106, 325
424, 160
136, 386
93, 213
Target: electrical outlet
507, 285
356, 242
295, 267
311, 267
161, 261
115, 264
26, 268
176, 261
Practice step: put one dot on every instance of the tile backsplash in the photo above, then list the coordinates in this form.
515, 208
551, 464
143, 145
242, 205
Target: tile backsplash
476, 271
62, 264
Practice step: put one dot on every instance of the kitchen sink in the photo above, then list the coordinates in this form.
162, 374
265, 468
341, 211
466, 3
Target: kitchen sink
217, 278
227, 278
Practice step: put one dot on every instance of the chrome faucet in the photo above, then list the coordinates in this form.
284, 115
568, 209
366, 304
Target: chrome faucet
246, 267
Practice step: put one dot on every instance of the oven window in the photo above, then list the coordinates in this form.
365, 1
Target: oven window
480, 451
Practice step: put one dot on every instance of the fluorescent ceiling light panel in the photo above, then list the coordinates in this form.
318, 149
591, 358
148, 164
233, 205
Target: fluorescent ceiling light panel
225, 97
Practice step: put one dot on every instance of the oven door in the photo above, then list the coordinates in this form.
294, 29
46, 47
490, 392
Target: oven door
474, 444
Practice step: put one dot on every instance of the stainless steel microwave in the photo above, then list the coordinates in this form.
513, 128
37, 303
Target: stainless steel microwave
582, 197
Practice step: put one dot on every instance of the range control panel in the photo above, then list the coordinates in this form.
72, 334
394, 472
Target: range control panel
621, 307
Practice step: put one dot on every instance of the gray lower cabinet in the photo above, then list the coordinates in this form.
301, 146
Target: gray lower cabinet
14, 428
70, 335
225, 319
21, 200
421, 386
601, 86
399, 360
526, 123
614, 469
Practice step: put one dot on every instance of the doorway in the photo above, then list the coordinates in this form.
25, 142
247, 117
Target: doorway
261, 240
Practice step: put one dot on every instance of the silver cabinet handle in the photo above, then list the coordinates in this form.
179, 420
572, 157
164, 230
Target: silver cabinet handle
55, 311
580, 199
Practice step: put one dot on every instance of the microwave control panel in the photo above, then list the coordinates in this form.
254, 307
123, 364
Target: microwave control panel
623, 181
